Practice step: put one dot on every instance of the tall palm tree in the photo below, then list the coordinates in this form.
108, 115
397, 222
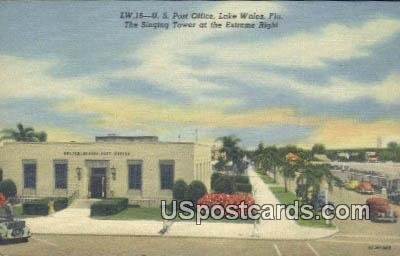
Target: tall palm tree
22, 133
312, 177
288, 171
230, 146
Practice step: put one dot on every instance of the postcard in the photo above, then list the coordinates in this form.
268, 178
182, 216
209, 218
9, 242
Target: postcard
147, 128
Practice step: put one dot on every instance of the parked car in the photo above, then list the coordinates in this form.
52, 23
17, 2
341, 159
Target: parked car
365, 187
351, 184
394, 197
12, 228
380, 211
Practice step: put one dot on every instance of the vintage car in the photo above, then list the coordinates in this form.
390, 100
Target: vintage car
394, 197
12, 228
351, 184
365, 187
380, 211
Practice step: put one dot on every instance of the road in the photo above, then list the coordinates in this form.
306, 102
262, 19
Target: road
57, 245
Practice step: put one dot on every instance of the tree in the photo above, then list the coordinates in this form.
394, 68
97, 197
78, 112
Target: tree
288, 171
318, 149
8, 188
312, 176
179, 190
22, 133
195, 191
392, 146
230, 146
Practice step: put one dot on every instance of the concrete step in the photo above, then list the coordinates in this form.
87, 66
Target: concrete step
83, 203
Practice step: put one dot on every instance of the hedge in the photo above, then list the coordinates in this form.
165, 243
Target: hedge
108, 206
214, 177
37, 207
243, 187
224, 184
60, 203
242, 179
41, 206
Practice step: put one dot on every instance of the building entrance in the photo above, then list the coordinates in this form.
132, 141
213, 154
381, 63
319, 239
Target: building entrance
98, 183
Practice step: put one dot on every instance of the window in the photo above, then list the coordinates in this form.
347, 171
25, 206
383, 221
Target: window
167, 174
135, 175
60, 174
1, 174
29, 175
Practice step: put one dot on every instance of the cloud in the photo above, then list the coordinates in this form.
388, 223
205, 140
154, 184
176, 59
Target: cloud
312, 49
62, 134
138, 113
348, 133
27, 78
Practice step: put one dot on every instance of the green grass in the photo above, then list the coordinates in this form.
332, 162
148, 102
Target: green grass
289, 198
135, 213
265, 178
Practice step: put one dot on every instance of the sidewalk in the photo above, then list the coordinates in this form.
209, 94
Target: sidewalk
76, 220
283, 228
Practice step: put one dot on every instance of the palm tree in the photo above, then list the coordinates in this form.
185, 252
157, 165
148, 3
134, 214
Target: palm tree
232, 150
288, 171
312, 177
22, 133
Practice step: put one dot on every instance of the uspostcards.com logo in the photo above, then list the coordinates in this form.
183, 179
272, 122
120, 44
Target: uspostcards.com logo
187, 210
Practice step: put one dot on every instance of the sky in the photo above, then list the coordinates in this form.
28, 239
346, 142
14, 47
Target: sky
328, 74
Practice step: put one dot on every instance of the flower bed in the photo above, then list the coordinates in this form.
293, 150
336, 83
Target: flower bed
226, 199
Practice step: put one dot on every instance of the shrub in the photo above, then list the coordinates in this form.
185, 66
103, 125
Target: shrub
108, 206
224, 184
214, 177
60, 203
243, 187
180, 190
196, 190
37, 207
242, 179
8, 188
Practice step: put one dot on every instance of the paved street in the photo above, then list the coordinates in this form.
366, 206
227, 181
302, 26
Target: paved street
60, 245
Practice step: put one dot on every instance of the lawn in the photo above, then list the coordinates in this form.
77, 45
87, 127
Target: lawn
137, 213
289, 198
267, 179
134, 213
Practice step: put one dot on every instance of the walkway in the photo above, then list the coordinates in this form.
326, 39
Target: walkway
75, 220
283, 228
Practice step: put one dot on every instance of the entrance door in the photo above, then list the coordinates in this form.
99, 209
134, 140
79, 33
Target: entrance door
98, 183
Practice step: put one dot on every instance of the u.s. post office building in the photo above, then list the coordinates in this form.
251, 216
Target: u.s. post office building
142, 169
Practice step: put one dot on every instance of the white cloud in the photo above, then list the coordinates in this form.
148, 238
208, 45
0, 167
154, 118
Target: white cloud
310, 50
20, 77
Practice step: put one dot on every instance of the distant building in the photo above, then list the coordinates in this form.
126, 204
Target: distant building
371, 157
142, 169
321, 158
292, 158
